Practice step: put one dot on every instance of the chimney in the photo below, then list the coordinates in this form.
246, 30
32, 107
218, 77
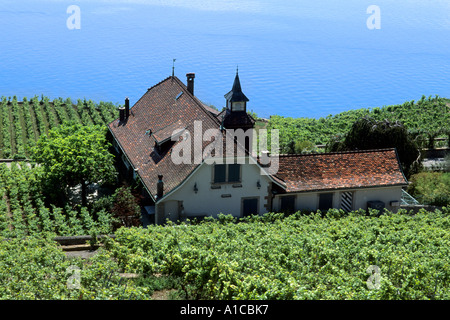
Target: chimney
190, 82
265, 159
127, 108
160, 187
121, 114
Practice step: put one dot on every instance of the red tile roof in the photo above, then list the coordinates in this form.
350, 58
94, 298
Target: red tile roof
340, 170
158, 110
162, 109
165, 133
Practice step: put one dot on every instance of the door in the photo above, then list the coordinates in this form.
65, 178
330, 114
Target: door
325, 201
171, 209
249, 206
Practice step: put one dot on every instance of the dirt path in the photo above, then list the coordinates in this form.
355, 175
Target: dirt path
8, 163
162, 294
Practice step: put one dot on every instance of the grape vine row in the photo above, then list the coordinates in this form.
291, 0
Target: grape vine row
22, 122
23, 211
298, 257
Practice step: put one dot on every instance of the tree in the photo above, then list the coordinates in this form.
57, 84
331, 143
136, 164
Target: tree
73, 154
368, 133
305, 146
126, 207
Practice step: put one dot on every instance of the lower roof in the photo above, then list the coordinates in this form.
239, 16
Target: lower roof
340, 170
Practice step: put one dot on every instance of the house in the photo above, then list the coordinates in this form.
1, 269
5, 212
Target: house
346, 180
174, 144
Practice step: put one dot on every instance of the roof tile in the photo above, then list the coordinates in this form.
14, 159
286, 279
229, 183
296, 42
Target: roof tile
158, 110
340, 170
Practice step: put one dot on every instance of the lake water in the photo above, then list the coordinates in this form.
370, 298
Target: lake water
295, 58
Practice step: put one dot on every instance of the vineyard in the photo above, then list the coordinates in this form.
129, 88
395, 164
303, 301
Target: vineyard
428, 118
298, 257
36, 269
22, 122
336, 256
333, 255
23, 211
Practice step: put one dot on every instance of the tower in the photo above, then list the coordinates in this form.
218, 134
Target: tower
236, 116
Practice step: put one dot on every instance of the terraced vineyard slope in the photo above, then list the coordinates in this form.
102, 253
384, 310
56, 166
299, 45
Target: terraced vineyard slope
22, 122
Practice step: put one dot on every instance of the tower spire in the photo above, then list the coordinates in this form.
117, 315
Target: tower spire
236, 93
235, 115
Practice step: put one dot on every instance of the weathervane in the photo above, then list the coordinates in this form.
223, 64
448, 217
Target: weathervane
173, 67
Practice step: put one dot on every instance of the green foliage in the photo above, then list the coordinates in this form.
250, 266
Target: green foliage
431, 188
73, 154
300, 147
259, 257
23, 211
297, 257
305, 146
427, 115
253, 114
446, 165
126, 209
35, 268
367, 133
22, 122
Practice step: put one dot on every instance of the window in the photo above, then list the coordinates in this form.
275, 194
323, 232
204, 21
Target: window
116, 145
237, 106
125, 161
234, 173
227, 173
325, 201
287, 204
220, 173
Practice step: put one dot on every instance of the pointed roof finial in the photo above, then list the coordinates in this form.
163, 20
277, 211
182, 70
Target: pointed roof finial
173, 67
237, 69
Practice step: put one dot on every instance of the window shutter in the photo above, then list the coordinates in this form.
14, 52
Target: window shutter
347, 201
219, 173
234, 173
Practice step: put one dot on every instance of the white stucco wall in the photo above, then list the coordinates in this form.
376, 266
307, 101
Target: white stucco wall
210, 202
171, 210
383, 194
310, 200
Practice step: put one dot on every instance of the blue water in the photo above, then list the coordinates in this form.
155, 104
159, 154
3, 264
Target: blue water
298, 58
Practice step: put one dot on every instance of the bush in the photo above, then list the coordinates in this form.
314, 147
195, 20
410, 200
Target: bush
126, 207
431, 188
446, 166
305, 146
